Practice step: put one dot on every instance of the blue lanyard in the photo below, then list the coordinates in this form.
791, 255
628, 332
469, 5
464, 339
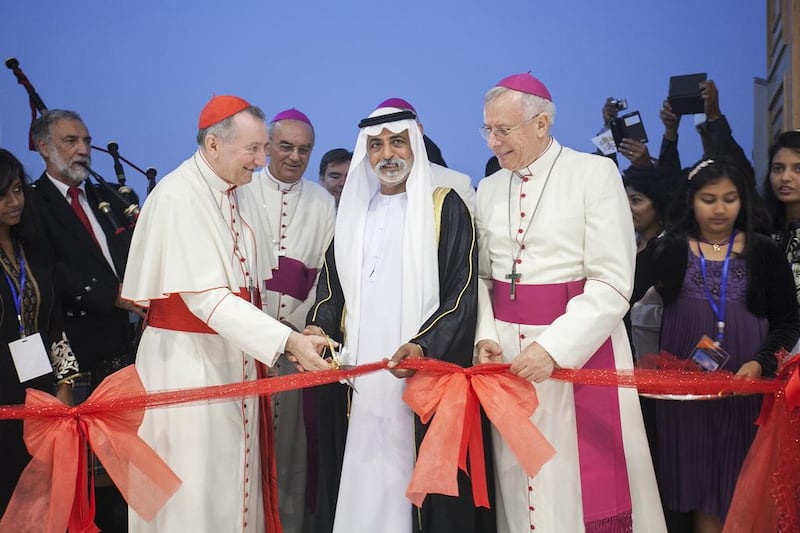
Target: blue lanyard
17, 297
719, 310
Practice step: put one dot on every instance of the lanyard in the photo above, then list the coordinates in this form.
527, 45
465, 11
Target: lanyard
17, 297
719, 310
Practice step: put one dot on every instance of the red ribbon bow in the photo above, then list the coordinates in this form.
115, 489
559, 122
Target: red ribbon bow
455, 394
53, 492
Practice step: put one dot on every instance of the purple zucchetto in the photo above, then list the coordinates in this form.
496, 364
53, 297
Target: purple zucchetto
398, 103
291, 114
526, 83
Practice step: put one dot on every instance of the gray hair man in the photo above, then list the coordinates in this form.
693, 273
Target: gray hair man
195, 261
556, 247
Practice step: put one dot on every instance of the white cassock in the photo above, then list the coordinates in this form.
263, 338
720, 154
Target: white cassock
581, 233
458, 181
379, 454
191, 254
297, 220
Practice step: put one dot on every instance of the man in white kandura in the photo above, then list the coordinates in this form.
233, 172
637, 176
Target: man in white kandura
195, 262
399, 281
297, 217
556, 257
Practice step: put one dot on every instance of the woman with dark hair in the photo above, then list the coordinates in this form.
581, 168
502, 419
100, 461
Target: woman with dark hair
718, 278
648, 195
782, 195
29, 309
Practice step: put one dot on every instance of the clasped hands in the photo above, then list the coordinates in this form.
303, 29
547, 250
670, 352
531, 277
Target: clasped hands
533, 363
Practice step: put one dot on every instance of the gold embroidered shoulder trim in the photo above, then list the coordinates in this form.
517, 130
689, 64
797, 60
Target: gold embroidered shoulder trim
439, 195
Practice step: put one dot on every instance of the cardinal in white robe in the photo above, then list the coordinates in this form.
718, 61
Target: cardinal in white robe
195, 262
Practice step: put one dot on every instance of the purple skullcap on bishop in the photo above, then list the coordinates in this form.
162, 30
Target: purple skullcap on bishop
219, 108
526, 83
398, 103
291, 114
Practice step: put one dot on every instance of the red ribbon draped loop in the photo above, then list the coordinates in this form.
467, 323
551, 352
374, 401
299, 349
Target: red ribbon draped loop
455, 394
788, 380
793, 385
44, 497
767, 495
53, 493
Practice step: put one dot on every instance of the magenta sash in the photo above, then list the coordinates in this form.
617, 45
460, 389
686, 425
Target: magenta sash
292, 277
604, 473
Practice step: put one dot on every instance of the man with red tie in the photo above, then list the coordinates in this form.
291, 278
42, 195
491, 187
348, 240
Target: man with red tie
90, 254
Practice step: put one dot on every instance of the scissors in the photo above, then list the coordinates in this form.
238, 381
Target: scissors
336, 364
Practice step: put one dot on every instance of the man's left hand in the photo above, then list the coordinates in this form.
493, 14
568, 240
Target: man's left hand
533, 363
408, 349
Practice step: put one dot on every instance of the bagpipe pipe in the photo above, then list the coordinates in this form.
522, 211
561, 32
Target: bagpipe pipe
122, 194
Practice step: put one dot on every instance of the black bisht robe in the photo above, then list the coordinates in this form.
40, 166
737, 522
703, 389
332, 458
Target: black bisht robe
450, 339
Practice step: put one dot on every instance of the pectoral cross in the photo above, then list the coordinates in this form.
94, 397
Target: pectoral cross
514, 277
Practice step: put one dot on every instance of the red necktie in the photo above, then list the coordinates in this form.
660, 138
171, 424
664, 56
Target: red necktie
73, 193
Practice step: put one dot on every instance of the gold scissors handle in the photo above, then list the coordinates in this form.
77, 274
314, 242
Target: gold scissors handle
336, 364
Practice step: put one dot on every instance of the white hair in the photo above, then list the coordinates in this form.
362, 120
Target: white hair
532, 104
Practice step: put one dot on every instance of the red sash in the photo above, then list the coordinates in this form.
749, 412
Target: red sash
173, 314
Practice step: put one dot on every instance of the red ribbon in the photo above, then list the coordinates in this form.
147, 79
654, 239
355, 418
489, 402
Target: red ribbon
114, 412
455, 394
53, 492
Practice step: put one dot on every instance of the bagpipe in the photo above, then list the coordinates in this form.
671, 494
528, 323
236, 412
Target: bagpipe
121, 193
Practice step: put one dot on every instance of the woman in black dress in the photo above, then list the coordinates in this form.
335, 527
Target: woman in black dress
28, 305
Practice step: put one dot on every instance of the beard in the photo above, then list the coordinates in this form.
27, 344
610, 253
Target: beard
66, 169
399, 171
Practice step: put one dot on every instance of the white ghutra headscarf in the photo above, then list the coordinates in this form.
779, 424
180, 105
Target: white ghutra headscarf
420, 268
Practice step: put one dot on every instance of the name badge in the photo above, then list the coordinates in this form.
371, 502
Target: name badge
709, 356
30, 357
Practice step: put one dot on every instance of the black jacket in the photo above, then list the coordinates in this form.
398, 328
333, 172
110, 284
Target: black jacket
89, 287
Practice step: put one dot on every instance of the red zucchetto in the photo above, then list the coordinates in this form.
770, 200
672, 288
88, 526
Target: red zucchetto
219, 108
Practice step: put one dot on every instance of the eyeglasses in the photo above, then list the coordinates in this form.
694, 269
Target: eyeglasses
503, 132
288, 148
